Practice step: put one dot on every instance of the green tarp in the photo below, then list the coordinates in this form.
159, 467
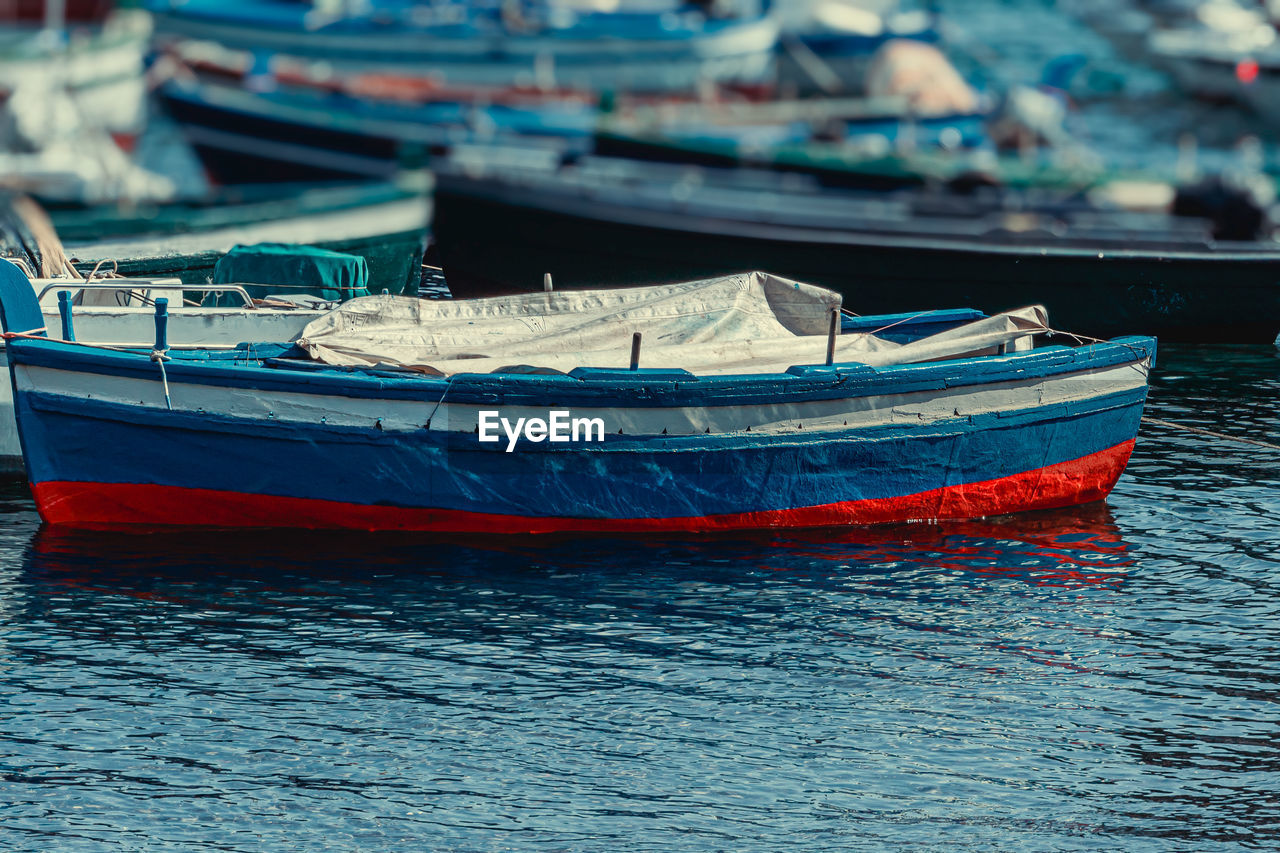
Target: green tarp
271, 269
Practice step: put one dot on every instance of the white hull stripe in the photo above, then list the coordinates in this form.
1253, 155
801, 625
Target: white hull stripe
413, 415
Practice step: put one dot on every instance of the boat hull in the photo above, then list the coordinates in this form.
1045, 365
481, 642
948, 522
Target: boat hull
394, 261
110, 505
1183, 296
133, 326
255, 447
243, 146
385, 225
739, 52
244, 137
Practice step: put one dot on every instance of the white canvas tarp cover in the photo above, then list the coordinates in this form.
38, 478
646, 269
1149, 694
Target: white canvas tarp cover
745, 323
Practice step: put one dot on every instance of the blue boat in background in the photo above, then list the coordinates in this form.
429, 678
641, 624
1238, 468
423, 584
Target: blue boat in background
853, 130
245, 136
649, 52
290, 133
261, 92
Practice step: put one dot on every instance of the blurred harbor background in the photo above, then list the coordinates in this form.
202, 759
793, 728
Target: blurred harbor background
1103, 677
910, 156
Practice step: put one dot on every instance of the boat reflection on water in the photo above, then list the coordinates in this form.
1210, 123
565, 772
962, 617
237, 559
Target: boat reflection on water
1001, 596
680, 673
1067, 547
1074, 547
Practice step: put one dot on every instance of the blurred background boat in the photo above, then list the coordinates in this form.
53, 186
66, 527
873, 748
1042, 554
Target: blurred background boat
225, 307
95, 57
910, 156
385, 223
73, 103
1210, 50
302, 123
1103, 269
493, 43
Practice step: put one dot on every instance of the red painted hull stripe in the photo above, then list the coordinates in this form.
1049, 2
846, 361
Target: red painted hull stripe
1078, 481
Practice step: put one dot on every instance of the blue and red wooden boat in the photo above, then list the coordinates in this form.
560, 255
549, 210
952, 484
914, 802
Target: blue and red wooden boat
917, 422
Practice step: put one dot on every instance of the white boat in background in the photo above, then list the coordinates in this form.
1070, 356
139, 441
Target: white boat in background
829, 45
100, 67
120, 312
1246, 70
74, 101
68, 163
1214, 55
113, 310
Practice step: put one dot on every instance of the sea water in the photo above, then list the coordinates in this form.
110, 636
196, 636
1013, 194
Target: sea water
1105, 677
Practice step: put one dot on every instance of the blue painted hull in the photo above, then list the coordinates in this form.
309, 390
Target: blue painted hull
438, 476
647, 477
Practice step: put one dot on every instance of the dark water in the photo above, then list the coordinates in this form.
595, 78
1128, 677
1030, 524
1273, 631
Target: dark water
1100, 678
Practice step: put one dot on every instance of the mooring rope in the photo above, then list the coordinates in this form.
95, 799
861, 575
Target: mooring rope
160, 358
448, 385
115, 269
1219, 435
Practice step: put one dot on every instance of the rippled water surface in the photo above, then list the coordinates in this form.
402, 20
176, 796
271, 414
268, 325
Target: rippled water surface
1105, 677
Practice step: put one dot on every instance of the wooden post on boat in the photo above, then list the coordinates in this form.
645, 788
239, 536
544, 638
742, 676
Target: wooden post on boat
635, 351
64, 311
162, 325
159, 354
546, 282
831, 335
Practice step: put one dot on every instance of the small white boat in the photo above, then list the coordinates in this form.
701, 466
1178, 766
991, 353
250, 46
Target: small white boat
120, 313
1214, 55
101, 68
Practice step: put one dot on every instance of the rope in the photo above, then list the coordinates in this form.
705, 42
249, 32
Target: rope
903, 320
441, 400
160, 358
1081, 339
1219, 435
115, 269
40, 335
